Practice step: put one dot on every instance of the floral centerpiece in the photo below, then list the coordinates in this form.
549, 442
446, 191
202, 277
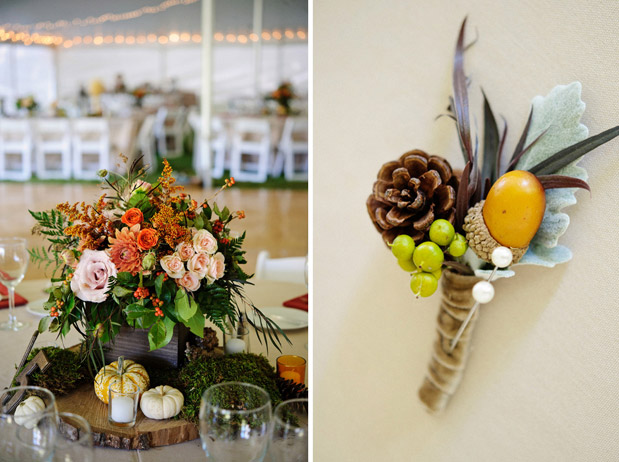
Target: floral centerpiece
468, 227
146, 255
27, 103
283, 95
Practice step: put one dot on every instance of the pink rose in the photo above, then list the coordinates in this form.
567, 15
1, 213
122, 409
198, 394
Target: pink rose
199, 264
216, 268
185, 250
190, 281
173, 265
203, 241
92, 276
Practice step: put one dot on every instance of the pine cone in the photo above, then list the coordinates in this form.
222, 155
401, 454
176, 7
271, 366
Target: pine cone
410, 194
289, 389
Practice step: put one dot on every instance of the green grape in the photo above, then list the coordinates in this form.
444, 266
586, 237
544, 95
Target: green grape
407, 265
423, 284
438, 273
442, 232
428, 256
458, 246
403, 247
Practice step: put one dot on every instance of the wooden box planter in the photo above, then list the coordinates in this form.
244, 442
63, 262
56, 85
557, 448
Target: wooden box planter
133, 344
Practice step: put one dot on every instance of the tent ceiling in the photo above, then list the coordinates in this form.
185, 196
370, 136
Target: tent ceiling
230, 15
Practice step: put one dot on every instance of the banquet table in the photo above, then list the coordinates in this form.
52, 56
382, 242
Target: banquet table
263, 294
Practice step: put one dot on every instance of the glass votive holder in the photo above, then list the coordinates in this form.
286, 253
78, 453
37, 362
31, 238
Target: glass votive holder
236, 340
123, 399
291, 367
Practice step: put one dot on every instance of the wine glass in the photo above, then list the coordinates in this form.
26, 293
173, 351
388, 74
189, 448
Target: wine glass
235, 421
73, 439
289, 439
28, 434
13, 264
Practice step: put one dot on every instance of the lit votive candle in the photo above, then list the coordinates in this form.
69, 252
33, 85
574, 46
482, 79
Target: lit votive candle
235, 345
122, 409
123, 405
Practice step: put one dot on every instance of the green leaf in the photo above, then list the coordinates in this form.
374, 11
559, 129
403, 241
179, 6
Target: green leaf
572, 153
44, 323
196, 323
491, 144
184, 309
157, 335
121, 291
135, 311
559, 114
159, 284
169, 330
199, 222
124, 277
225, 214
137, 198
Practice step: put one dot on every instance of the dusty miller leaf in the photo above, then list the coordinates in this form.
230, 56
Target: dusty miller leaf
559, 112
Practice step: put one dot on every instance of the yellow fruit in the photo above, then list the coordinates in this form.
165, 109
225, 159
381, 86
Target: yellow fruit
129, 375
514, 208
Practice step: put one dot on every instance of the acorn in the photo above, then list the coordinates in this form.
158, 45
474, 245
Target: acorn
509, 217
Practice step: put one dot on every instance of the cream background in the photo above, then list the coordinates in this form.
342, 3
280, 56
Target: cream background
542, 382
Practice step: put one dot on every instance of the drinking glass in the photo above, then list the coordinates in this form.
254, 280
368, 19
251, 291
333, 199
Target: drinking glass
289, 439
13, 264
235, 421
73, 439
28, 437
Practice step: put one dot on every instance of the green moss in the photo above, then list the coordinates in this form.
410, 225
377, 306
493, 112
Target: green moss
64, 375
195, 377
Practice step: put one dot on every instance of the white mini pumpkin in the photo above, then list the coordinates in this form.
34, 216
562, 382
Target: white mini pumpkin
28, 410
161, 402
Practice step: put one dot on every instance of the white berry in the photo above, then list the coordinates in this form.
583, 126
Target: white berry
483, 292
502, 257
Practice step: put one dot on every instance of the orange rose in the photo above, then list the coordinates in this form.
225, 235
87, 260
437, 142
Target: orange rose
132, 217
147, 239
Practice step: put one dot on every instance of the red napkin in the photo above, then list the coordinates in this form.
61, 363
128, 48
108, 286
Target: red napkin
300, 303
4, 303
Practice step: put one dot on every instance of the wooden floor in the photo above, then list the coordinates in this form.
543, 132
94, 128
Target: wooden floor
276, 219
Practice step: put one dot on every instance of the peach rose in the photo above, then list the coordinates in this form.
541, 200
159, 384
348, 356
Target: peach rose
147, 239
92, 275
216, 268
203, 241
173, 266
132, 217
185, 250
190, 281
199, 264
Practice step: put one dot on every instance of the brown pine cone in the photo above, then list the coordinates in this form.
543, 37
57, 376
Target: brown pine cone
410, 193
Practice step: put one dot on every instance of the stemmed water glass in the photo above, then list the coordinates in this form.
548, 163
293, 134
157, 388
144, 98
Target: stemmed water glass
28, 436
290, 436
73, 439
13, 264
235, 422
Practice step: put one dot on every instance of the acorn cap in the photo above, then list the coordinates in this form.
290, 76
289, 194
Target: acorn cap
479, 238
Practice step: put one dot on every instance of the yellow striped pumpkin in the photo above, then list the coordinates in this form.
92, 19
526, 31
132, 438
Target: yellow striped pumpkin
128, 372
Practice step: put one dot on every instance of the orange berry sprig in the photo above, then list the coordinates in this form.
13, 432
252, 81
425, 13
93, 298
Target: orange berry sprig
141, 293
53, 311
158, 312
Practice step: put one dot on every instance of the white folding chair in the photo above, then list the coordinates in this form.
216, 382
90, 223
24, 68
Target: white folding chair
53, 148
292, 145
289, 269
218, 143
171, 131
91, 138
251, 139
15, 149
146, 141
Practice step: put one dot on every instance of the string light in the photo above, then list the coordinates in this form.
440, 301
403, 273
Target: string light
107, 17
172, 37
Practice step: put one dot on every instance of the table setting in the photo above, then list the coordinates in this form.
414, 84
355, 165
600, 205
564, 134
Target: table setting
155, 345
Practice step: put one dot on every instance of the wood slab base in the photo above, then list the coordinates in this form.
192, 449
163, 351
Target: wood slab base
146, 433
